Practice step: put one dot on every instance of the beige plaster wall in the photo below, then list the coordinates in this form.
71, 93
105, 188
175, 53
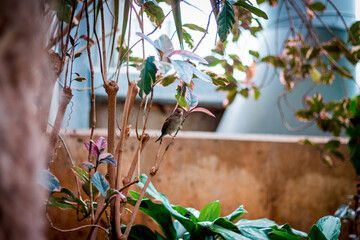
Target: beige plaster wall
272, 176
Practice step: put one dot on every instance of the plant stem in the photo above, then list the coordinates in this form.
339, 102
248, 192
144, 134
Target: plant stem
65, 99
129, 102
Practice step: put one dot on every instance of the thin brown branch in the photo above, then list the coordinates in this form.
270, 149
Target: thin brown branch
59, 36
136, 208
66, 97
93, 117
342, 19
73, 229
207, 28
130, 98
103, 37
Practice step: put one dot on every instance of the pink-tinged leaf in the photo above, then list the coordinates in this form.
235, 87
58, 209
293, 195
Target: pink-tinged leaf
189, 54
89, 165
101, 143
203, 110
107, 158
94, 149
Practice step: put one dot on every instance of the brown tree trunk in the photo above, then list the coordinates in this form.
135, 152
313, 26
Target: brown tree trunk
22, 140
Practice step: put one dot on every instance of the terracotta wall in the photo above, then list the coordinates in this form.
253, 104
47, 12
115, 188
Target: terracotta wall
272, 176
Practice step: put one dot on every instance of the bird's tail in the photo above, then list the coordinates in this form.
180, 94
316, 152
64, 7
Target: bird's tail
160, 138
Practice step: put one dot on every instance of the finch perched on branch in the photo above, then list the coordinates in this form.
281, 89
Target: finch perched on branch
172, 123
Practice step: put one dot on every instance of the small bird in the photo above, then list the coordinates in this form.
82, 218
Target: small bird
172, 123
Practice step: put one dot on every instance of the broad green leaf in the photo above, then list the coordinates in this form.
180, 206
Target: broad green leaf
331, 145
254, 233
330, 227
258, 223
140, 232
60, 202
184, 70
317, 6
252, 9
194, 27
188, 224
244, 92
210, 212
168, 80
316, 234
147, 76
236, 214
304, 115
100, 183
158, 212
354, 34
225, 20
285, 232
49, 181
154, 12
224, 232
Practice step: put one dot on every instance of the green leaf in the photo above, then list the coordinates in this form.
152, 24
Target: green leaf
140, 232
285, 232
317, 6
147, 76
154, 12
316, 75
256, 91
244, 92
254, 53
331, 145
188, 40
225, 20
83, 177
236, 214
158, 212
252, 9
355, 32
194, 27
188, 224
100, 183
212, 61
304, 115
210, 212
166, 81
308, 142
258, 223
49, 181
316, 234
330, 227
